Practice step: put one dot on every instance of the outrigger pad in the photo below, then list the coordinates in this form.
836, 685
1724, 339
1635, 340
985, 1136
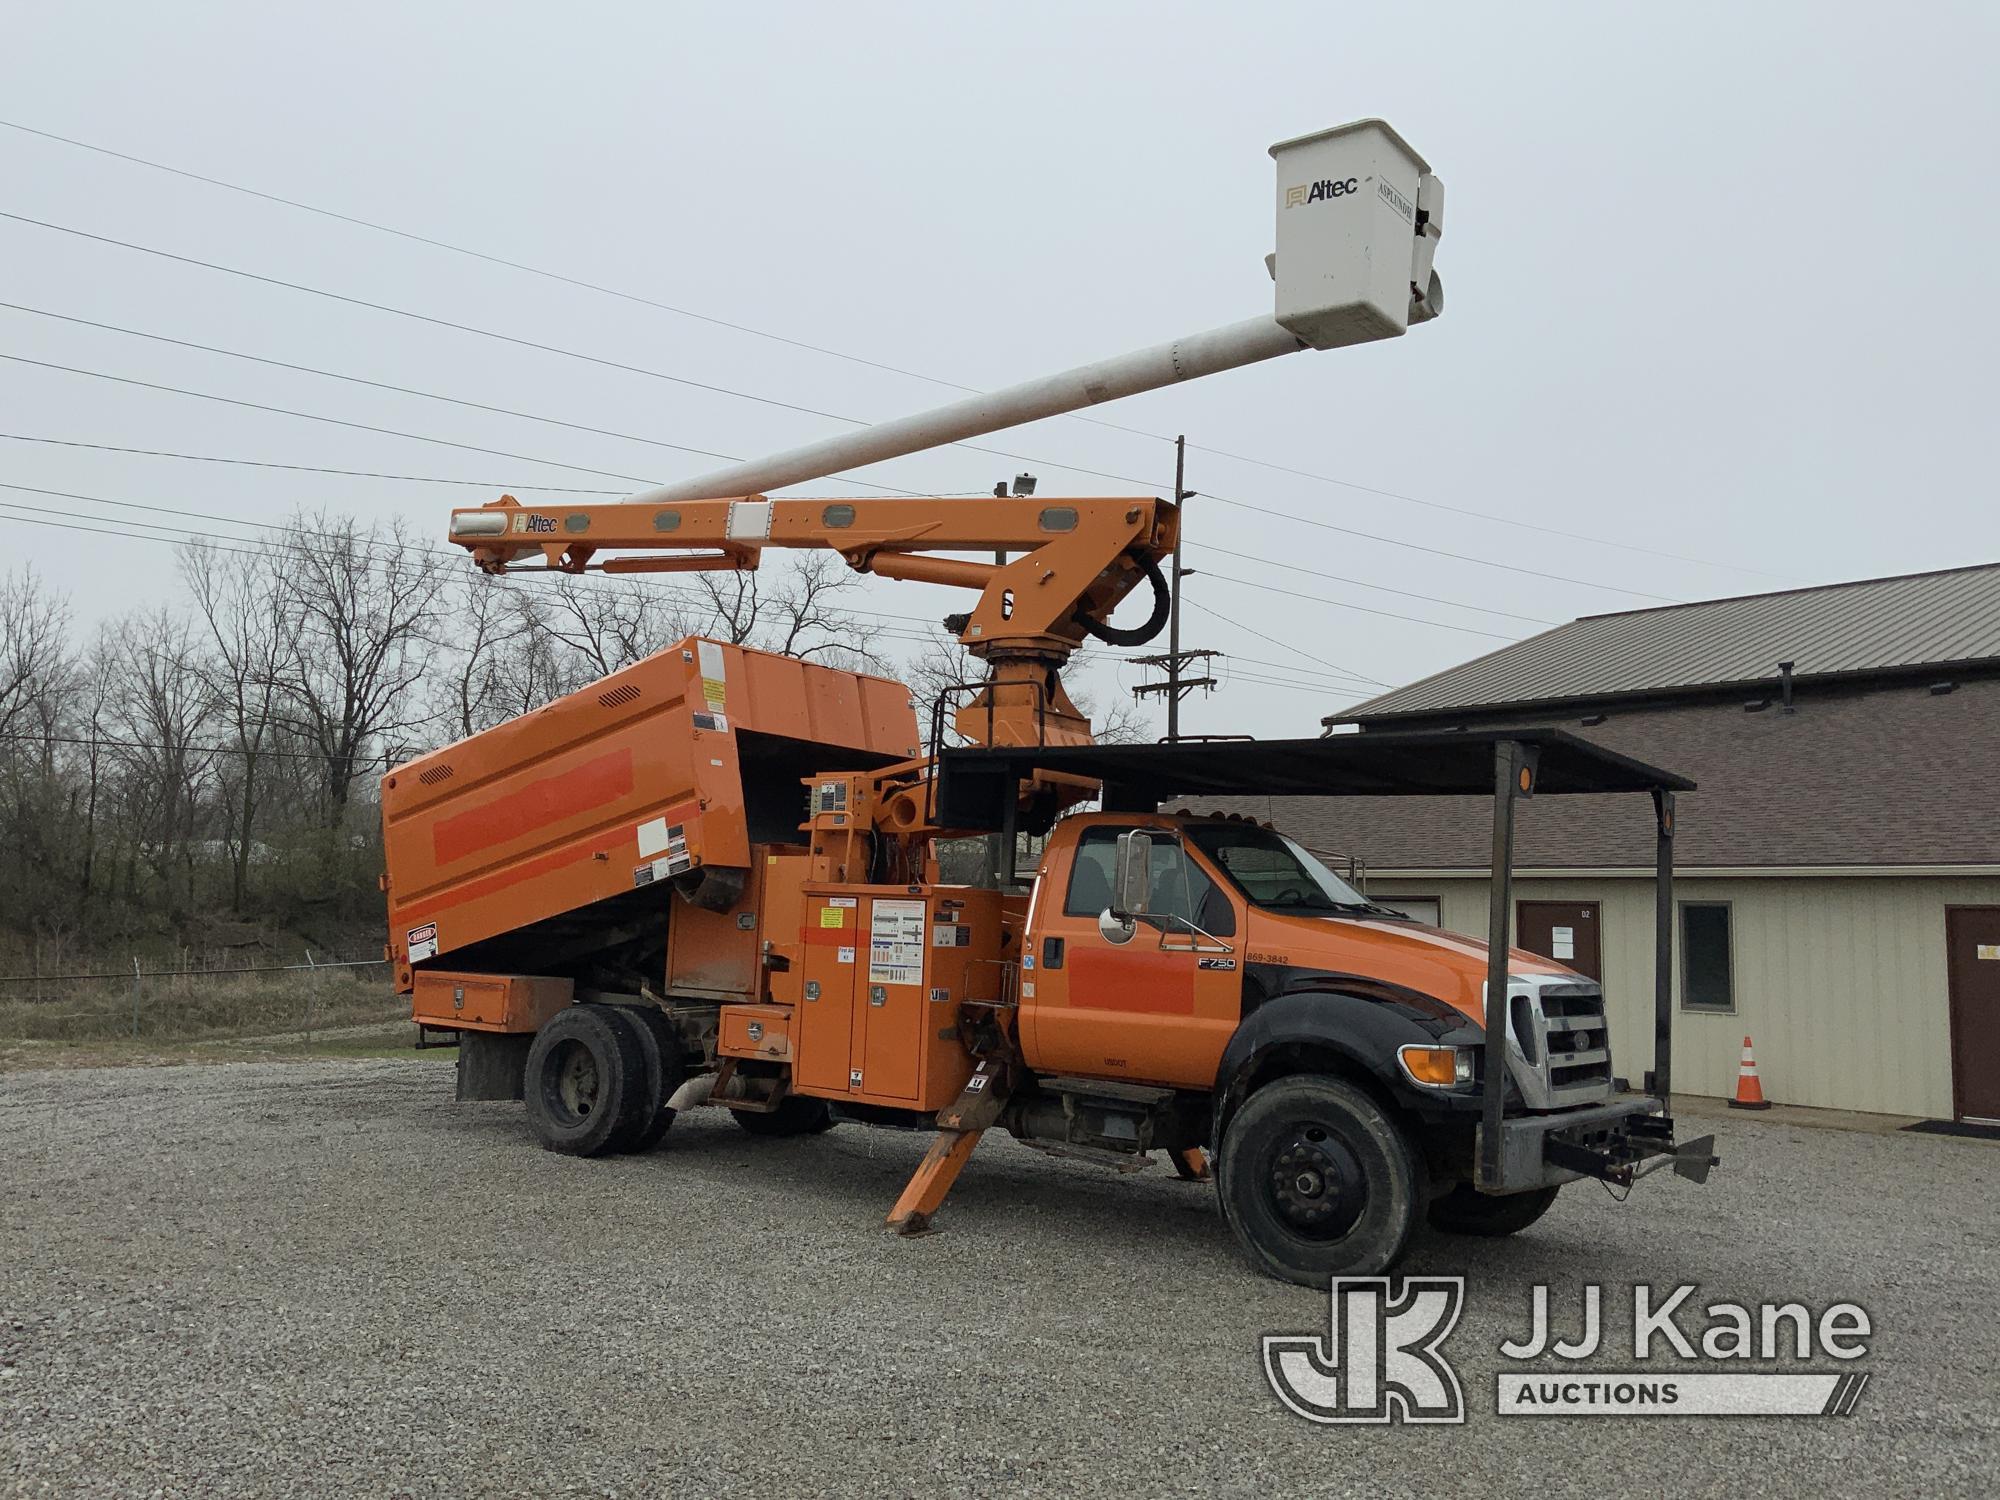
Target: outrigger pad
1693, 1159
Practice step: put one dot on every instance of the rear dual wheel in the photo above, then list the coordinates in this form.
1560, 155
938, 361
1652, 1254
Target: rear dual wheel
598, 1079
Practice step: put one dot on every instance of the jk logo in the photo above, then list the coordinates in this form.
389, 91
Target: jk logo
1380, 1361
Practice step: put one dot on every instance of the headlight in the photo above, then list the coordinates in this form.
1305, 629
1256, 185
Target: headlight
1436, 1067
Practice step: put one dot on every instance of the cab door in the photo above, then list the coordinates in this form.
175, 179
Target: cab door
1158, 1008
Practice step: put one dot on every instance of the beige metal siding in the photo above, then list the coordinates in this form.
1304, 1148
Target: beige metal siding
1840, 982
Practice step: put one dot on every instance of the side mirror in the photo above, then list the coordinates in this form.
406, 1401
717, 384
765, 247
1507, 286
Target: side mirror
1115, 929
1132, 885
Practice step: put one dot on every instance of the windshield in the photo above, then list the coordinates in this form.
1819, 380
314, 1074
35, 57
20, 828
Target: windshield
1273, 871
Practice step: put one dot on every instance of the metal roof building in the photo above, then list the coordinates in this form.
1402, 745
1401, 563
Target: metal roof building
1914, 623
1838, 869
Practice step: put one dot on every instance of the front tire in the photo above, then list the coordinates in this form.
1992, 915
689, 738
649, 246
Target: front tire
1464, 1210
1317, 1180
586, 1073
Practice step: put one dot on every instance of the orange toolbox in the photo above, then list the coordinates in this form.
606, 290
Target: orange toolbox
487, 1002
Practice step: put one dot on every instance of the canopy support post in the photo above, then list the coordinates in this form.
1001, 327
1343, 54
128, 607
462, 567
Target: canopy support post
1512, 776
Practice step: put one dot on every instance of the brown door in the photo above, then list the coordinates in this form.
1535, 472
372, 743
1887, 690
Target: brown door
1972, 946
1565, 931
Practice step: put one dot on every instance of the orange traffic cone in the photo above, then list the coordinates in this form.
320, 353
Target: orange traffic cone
1749, 1091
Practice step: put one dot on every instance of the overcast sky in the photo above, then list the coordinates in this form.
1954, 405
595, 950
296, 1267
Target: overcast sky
1719, 283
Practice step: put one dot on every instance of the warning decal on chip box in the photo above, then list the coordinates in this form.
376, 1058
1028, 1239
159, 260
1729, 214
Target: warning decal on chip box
714, 675
423, 942
896, 942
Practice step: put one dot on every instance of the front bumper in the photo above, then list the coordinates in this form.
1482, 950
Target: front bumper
1609, 1141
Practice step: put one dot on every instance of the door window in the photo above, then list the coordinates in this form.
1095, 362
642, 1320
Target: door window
1180, 887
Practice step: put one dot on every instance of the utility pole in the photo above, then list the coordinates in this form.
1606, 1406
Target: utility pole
1176, 661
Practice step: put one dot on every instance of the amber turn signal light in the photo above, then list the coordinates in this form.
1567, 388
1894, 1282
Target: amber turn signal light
1436, 1067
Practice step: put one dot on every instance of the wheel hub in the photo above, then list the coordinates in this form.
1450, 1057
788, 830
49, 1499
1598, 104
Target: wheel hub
577, 1084
1316, 1185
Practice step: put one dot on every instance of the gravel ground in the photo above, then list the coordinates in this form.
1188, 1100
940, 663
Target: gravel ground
328, 1278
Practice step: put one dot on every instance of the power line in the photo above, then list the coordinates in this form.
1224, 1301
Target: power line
1281, 645
488, 333
612, 474
1362, 608
635, 369
512, 265
1359, 583
258, 463
678, 311
308, 416
1484, 562
499, 337
437, 322
1485, 515
383, 385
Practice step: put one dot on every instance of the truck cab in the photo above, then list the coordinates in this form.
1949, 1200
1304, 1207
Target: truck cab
1215, 955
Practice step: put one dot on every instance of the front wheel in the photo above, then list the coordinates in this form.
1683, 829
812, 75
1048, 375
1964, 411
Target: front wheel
1464, 1210
1318, 1180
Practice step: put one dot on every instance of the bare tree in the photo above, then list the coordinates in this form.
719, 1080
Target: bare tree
252, 631
34, 647
604, 624
1119, 721
808, 616
160, 707
484, 625
362, 603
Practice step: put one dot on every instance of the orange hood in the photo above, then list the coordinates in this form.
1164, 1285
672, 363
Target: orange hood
1431, 961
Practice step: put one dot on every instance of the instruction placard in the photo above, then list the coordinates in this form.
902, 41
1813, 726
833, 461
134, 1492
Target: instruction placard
896, 943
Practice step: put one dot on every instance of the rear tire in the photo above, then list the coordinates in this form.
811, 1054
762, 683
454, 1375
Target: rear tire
586, 1072
665, 1072
1464, 1210
1317, 1180
796, 1114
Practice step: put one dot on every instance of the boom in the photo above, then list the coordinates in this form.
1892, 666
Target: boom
1078, 558
1359, 216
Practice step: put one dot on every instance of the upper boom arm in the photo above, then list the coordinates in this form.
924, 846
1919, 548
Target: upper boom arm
1078, 557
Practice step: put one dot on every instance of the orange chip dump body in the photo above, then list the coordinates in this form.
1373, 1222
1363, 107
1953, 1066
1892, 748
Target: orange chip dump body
677, 763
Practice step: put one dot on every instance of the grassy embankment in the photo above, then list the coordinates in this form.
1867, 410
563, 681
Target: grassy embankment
198, 1017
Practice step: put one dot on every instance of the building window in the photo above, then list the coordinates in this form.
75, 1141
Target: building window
1707, 967
1426, 909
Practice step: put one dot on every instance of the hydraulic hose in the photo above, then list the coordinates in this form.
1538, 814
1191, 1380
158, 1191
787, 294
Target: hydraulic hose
1112, 635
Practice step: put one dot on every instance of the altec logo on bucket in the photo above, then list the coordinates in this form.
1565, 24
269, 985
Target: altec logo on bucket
1316, 192
1383, 1361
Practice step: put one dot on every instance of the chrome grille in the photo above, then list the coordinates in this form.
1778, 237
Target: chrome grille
1561, 1044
